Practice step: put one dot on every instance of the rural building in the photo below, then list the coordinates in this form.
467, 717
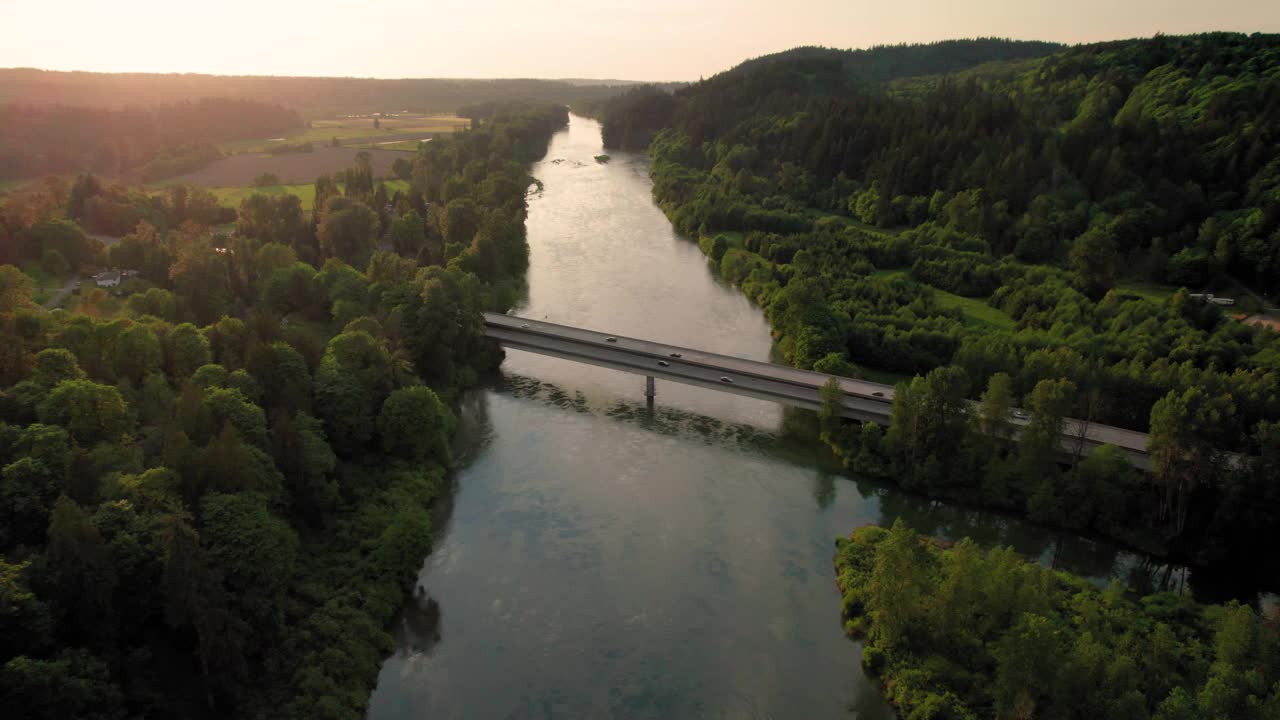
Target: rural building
107, 278
1208, 297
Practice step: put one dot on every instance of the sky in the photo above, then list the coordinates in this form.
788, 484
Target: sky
608, 39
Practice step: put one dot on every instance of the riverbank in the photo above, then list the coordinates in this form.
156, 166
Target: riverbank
998, 481
954, 631
605, 556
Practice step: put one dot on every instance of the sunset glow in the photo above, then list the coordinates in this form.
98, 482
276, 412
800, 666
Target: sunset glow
659, 40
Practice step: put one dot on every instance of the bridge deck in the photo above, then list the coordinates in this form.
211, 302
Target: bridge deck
863, 400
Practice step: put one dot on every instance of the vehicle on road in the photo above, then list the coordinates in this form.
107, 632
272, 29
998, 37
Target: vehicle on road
878, 394
725, 379
524, 325
675, 355
664, 363
611, 339
1019, 414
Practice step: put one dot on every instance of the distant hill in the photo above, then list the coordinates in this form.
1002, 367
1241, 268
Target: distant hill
312, 96
797, 75
883, 63
1170, 143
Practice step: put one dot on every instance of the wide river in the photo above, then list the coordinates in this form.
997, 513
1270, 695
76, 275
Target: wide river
607, 559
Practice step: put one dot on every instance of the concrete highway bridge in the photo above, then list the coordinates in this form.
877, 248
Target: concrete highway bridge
862, 400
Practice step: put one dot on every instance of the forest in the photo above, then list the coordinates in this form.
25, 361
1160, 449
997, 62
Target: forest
957, 632
995, 228
310, 95
215, 494
148, 143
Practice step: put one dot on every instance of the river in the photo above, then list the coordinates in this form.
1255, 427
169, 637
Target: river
607, 559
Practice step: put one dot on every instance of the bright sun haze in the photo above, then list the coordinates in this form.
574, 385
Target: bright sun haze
651, 40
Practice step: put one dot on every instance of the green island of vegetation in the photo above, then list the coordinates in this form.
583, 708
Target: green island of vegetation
958, 633
216, 468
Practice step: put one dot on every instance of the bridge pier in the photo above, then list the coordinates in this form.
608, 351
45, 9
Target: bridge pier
649, 390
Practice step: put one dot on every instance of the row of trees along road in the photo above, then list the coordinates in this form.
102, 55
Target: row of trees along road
213, 493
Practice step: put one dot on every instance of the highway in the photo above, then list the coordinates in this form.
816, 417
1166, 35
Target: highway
862, 400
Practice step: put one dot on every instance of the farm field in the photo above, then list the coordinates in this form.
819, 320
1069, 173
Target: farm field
293, 168
359, 130
232, 196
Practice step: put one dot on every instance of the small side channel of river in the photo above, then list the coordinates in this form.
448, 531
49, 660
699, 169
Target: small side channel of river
605, 559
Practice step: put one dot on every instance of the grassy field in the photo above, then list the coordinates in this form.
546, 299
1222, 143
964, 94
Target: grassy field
43, 285
401, 145
232, 196
847, 221
1150, 291
976, 312
322, 132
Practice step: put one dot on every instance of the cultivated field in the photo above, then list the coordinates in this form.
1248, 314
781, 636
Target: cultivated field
357, 131
232, 196
291, 168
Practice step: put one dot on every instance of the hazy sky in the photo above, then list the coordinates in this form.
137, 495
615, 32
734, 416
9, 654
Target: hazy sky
650, 40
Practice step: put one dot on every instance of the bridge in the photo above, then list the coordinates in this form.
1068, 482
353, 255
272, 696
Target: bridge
860, 400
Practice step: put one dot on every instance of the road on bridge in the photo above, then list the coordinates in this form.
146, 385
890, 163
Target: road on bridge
863, 400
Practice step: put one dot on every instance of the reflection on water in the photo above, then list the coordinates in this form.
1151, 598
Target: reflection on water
602, 557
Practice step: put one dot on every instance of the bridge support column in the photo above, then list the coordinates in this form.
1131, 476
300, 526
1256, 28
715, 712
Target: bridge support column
649, 389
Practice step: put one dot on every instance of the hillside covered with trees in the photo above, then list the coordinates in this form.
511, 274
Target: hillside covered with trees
214, 488
311, 95
145, 142
999, 226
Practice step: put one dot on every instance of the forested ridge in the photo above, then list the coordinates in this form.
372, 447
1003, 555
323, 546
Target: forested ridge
215, 486
145, 142
960, 633
312, 95
998, 227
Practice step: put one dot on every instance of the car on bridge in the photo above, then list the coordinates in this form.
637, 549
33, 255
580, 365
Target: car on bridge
664, 363
726, 379
611, 339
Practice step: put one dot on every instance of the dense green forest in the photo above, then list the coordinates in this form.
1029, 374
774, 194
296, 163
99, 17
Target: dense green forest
1006, 221
151, 142
960, 633
214, 494
311, 95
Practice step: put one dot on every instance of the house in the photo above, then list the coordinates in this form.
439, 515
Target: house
107, 278
1208, 297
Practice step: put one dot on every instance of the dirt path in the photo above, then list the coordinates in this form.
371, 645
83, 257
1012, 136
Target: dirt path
62, 294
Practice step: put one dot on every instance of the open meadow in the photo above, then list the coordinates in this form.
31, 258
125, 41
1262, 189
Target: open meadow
291, 168
232, 196
356, 130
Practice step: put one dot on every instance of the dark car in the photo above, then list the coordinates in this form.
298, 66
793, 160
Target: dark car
725, 379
